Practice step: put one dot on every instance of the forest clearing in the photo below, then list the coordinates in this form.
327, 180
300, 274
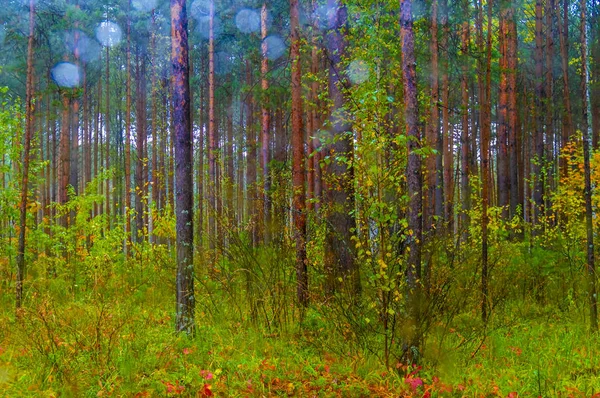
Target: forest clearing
325, 198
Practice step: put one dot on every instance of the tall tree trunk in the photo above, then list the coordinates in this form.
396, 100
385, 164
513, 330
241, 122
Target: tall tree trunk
299, 204
486, 123
107, 139
339, 253
212, 142
29, 112
563, 34
595, 72
538, 184
154, 127
183, 166
251, 187
464, 137
200, 173
512, 123
128, 133
413, 169
140, 169
591, 268
549, 108
503, 128
447, 137
431, 205
265, 126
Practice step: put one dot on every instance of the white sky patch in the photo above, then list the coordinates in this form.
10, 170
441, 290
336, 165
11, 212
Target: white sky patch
275, 47
66, 74
247, 21
358, 71
109, 34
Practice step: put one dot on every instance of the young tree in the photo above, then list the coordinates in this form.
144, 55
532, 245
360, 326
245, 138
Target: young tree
183, 166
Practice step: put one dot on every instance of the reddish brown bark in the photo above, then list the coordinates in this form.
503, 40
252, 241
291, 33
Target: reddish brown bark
433, 130
128, 131
503, 128
183, 165
567, 127
413, 168
464, 137
538, 142
447, 137
299, 204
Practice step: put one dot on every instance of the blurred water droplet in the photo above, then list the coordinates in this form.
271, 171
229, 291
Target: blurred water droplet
223, 63
200, 8
247, 21
325, 16
358, 71
275, 47
144, 5
203, 25
109, 34
87, 49
66, 74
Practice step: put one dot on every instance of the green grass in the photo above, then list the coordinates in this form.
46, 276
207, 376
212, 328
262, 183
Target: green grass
109, 332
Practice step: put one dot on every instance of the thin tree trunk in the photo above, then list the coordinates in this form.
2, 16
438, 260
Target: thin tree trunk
593, 300
128, 133
140, 169
212, 143
107, 139
447, 137
299, 204
264, 158
538, 184
513, 133
567, 128
29, 112
433, 132
464, 144
503, 128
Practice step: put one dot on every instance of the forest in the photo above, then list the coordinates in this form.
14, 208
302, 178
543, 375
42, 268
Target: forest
351, 198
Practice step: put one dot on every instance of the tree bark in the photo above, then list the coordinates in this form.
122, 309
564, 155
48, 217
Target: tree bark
29, 112
413, 168
299, 203
183, 165
339, 253
591, 268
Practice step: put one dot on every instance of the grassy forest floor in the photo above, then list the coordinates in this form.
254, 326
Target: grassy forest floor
108, 331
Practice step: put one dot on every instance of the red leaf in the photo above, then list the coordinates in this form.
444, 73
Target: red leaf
414, 382
207, 391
